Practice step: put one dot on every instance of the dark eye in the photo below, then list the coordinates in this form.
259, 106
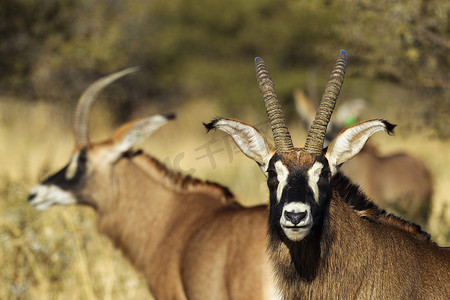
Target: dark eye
272, 177
271, 173
82, 157
326, 174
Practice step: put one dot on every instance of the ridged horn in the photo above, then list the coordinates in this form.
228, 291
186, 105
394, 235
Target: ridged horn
281, 136
85, 103
316, 135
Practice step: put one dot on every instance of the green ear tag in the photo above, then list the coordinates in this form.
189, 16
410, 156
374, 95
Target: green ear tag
350, 120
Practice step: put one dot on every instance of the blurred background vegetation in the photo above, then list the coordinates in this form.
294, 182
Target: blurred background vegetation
53, 49
196, 59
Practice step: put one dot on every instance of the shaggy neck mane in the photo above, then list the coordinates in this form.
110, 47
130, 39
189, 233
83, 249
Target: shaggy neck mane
351, 194
298, 265
176, 181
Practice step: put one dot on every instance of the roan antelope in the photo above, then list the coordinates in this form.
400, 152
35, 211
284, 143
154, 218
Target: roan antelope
190, 238
326, 240
396, 181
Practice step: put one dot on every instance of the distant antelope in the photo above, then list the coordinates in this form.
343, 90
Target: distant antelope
190, 238
399, 180
326, 240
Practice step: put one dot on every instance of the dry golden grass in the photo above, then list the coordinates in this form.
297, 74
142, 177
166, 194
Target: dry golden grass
58, 254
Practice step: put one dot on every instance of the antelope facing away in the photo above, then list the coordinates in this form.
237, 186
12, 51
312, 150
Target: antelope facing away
190, 238
398, 181
326, 240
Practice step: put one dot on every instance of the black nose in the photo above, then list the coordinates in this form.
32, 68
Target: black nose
31, 196
294, 217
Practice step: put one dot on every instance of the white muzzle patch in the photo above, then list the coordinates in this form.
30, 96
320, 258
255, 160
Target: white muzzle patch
298, 231
44, 196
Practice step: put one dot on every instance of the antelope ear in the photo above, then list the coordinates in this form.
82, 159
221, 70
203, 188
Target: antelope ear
351, 140
251, 142
135, 132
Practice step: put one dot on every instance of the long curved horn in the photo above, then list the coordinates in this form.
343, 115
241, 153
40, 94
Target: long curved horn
85, 103
281, 136
316, 135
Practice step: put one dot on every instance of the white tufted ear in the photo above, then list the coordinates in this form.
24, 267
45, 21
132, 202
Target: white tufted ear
251, 142
135, 132
351, 140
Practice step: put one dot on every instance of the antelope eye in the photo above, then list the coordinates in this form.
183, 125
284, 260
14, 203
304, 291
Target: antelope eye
271, 173
325, 174
272, 177
82, 158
